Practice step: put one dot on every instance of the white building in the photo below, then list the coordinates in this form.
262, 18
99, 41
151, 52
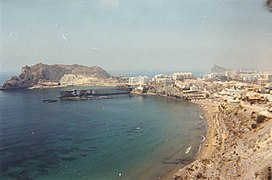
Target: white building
194, 88
163, 78
213, 76
167, 80
182, 75
138, 80
182, 85
133, 80
144, 79
248, 77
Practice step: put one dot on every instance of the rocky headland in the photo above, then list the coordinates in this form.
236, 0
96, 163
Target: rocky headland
43, 75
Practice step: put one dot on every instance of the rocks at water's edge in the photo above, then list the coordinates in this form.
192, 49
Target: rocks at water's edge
51, 74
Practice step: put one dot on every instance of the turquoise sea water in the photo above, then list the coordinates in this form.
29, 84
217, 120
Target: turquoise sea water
126, 137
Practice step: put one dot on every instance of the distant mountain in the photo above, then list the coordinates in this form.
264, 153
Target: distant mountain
34, 75
269, 5
218, 69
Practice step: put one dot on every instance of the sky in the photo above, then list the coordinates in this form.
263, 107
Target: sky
130, 35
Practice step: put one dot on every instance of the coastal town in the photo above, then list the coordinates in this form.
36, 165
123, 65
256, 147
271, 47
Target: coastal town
253, 87
238, 109
237, 105
136, 90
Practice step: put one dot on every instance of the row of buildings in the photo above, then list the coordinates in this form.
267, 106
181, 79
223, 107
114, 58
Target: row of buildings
258, 77
161, 78
237, 88
138, 80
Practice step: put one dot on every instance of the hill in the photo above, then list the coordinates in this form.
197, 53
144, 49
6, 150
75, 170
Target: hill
42, 74
217, 69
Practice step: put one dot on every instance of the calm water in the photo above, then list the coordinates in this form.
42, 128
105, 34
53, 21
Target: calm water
120, 138
6, 76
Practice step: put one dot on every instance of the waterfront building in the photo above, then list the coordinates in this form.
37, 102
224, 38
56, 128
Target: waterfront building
163, 78
143, 79
133, 80
138, 80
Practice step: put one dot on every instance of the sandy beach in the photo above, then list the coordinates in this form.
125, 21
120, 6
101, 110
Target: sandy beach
232, 148
209, 109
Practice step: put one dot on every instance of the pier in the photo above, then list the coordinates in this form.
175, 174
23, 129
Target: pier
95, 92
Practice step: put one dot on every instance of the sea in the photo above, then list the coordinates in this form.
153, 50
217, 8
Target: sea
125, 137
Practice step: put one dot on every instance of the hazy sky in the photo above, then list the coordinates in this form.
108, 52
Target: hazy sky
158, 35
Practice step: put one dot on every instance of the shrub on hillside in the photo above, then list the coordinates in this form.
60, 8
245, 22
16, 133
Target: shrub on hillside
253, 126
260, 118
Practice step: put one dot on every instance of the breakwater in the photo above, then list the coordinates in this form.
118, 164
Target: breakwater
94, 92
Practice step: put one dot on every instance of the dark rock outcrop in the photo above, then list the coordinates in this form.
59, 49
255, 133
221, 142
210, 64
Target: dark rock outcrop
32, 75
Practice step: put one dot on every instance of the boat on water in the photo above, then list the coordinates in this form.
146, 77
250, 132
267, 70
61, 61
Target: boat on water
49, 100
188, 150
203, 139
201, 117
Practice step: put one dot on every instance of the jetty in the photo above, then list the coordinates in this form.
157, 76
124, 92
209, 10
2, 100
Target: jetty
95, 92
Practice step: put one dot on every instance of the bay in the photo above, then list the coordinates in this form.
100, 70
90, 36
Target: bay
125, 137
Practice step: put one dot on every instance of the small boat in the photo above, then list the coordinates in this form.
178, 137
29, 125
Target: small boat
188, 150
200, 116
203, 139
49, 100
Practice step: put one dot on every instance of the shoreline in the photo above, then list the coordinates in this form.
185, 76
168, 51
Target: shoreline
202, 103
233, 149
60, 86
205, 146
209, 110
74, 85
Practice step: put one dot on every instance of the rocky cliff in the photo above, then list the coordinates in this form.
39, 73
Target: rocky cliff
43, 73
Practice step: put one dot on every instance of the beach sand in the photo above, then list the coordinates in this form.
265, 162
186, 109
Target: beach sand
209, 109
